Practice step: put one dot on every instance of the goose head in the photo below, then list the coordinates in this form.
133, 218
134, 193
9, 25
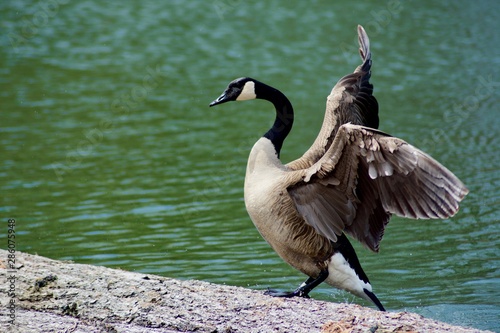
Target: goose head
241, 89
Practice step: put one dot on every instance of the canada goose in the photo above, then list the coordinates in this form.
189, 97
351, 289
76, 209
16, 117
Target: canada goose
349, 182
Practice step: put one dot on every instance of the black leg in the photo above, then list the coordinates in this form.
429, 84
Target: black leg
303, 290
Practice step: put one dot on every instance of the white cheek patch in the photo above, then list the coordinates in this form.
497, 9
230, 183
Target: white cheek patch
248, 92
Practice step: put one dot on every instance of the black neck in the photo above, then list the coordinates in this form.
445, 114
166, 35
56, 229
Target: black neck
284, 114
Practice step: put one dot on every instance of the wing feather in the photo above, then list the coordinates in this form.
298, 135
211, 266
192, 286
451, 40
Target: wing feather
350, 100
367, 175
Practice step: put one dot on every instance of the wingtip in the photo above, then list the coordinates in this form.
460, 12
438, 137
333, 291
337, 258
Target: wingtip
364, 43
464, 192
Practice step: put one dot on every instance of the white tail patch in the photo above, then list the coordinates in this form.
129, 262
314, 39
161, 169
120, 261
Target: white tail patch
342, 276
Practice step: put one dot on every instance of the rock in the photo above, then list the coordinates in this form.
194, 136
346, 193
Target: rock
60, 296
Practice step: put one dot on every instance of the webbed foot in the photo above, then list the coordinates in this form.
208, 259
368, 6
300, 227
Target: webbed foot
303, 290
287, 294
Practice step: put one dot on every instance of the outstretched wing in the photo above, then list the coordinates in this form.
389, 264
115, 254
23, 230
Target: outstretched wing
367, 175
350, 101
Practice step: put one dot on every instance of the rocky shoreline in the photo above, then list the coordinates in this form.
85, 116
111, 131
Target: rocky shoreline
60, 296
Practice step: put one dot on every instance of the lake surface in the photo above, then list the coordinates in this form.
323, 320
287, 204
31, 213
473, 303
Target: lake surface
111, 156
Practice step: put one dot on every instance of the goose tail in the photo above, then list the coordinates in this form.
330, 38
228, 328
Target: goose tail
372, 297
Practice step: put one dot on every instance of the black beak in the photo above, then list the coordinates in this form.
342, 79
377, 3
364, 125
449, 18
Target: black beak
221, 99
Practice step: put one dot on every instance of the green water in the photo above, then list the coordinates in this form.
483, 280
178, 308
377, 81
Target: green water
111, 156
